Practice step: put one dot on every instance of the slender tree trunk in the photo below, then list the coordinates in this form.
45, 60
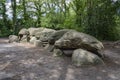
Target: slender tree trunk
24, 10
39, 13
14, 16
39, 16
39, 20
4, 14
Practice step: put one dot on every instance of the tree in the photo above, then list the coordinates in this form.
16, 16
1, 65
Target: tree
38, 11
79, 7
95, 17
101, 20
4, 26
14, 6
3, 12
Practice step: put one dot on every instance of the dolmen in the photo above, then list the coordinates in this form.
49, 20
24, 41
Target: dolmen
83, 48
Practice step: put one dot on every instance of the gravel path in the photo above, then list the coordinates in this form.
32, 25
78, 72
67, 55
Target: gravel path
25, 62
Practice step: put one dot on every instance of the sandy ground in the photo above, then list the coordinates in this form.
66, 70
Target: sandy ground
20, 61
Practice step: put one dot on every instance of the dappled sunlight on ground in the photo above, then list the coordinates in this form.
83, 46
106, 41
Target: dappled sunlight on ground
23, 61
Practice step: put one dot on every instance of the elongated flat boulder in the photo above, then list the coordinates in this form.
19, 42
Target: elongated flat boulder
74, 40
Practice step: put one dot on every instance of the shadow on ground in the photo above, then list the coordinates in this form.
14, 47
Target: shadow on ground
26, 62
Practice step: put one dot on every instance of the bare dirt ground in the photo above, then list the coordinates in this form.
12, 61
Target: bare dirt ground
20, 61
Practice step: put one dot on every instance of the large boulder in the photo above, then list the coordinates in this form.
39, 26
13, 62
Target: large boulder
24, 38
45, 34
23, 31
13, 38
38, 43
82, 57
75, 40
32, 40
57, 35
23, 35
33, 31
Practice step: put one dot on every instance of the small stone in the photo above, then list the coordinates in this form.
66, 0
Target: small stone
57, 52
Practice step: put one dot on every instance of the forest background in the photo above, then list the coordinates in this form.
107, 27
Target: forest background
100, 18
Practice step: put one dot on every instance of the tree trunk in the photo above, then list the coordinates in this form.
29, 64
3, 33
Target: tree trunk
4, 14
24, 10
14, 16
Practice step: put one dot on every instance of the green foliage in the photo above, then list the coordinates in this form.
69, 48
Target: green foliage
4, 32
99, 18
118, 25
101, 21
